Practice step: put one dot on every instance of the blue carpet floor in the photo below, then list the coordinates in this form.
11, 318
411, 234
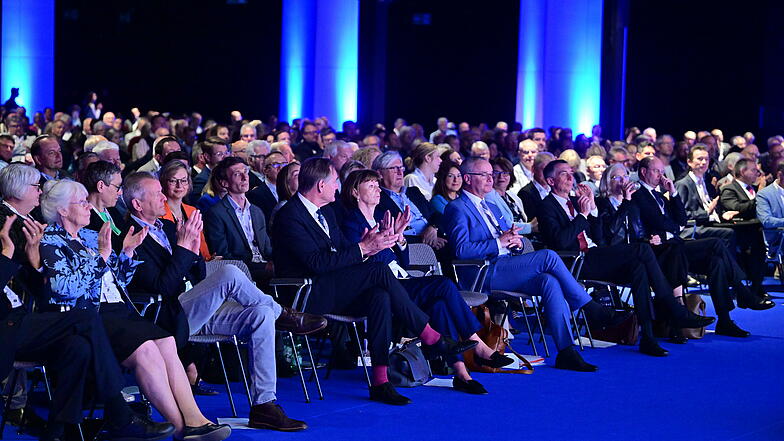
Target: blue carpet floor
709, 389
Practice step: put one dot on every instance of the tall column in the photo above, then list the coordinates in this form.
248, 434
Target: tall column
319, 60
28, 53
559, 63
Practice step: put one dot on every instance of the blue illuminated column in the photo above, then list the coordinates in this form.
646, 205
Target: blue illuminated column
28, 52
559, 63
319, 59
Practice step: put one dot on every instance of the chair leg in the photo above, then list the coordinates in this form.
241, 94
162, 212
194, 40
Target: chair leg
299, 367
587, 327
46, 383
531, 339
576, 328
226, 379
361, 354
14, 377
242, 369
314, 374
541, 328
322, 343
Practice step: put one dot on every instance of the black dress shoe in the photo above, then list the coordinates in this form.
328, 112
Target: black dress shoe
692, 320
271, 416
497, 360
445, 347
300, 323
387, 394
756, 303
650, 346
470, 387
200, 389
207, 432
571, 360
139, 429
676, 336
730, 329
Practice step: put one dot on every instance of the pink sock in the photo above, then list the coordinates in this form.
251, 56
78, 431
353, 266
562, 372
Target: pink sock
429, 335
379, 375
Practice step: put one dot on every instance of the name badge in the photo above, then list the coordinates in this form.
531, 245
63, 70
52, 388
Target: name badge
12, 297
188, 285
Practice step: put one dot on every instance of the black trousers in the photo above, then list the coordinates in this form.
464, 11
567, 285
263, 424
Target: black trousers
710, 256
673, 262
368, 289
634, 264
75, 348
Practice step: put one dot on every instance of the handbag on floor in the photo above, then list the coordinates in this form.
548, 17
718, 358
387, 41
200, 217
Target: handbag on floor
695, 304
497, 338
408, 366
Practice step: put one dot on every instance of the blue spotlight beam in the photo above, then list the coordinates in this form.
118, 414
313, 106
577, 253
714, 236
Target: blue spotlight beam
28, 52
319, 59
559, 63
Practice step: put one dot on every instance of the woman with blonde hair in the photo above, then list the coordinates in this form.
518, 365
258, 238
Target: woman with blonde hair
425, 158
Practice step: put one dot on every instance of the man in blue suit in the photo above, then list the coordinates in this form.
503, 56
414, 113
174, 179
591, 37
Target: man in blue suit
476, 229
770, 208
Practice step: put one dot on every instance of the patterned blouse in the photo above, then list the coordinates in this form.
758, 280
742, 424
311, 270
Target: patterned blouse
75, 271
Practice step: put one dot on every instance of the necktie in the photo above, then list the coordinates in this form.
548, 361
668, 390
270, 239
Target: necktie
659, 199
580, 237
323, 221
489, 215
750, 189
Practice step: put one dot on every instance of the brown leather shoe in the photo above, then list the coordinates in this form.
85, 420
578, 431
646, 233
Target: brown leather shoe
271, 416
299, 322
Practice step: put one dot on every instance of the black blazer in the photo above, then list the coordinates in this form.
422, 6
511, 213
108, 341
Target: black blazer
96, 223
734, 198
416, 197
163, 273
225, 236
622, 224
560, 233
531, 200
656, 222
262, 197
9, 319
300, 248
687, 190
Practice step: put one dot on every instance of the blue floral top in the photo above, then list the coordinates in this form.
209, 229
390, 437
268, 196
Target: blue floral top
74, 270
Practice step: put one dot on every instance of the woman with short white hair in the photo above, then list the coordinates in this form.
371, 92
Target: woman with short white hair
83, 272
20, 190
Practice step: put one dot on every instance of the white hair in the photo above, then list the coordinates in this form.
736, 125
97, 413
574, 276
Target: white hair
16, 179
57, 195
264, 145
105, 145
92, 141
479, 146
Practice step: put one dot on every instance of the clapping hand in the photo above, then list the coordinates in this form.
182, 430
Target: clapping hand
5, 238
105, 241
33, 233
375, 240
511, 239
132, 240
189, 232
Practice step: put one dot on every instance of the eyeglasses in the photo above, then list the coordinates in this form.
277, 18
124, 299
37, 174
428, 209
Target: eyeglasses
84, 203
37, 186
177, 182
397, 168
277, 164
113, 185
483, 175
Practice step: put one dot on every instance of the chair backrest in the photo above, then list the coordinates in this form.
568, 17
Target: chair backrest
214, 265
420, 254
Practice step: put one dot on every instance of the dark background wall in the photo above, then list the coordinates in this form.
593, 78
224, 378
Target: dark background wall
172, 55
691, 65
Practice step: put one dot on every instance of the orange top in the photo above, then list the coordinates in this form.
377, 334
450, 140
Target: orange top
188, 209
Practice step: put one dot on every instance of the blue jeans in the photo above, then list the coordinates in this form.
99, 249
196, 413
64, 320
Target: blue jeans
542, 273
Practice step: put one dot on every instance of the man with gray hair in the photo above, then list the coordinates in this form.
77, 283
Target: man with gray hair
224, 302
256, 151
248, 132
534, 193
109, 152
338, 152
443, 129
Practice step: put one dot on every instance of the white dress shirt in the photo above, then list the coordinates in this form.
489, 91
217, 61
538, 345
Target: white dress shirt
594, 213
246, 221
702, 191
477, 201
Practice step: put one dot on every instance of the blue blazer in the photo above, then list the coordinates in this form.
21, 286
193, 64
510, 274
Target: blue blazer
354, 225
770, 211
468, 234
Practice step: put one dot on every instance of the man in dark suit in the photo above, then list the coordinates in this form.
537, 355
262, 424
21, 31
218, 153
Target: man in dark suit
309, 147
666, 217
572, 224
536, 190
395, 197
73, 344
48, 157
477, 230
213, 149
225, 302
235, 228
738, 200
308, 242
265, 195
